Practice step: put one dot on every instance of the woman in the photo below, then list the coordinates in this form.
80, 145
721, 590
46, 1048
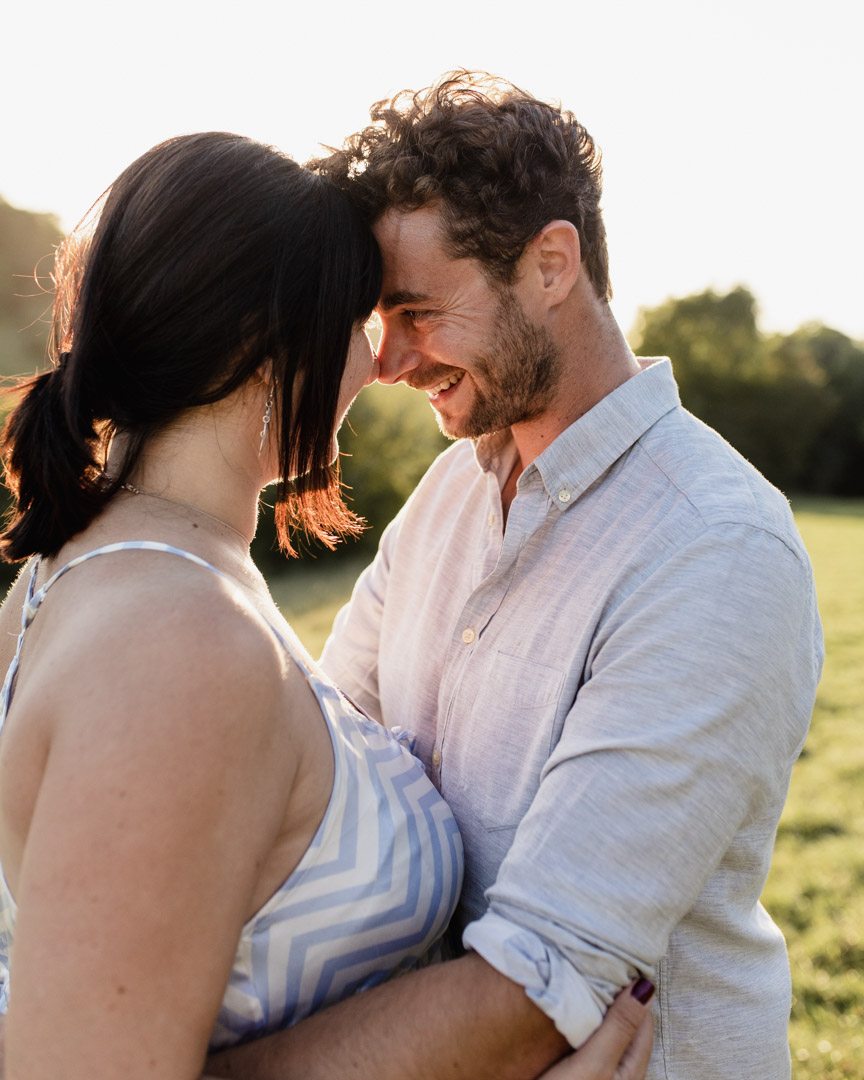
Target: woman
201, 839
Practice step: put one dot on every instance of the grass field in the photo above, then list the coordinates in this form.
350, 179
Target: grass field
816, 888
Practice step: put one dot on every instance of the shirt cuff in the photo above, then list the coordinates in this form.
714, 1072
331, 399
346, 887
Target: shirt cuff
550, 981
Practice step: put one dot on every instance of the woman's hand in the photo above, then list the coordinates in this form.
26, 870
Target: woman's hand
620, 1048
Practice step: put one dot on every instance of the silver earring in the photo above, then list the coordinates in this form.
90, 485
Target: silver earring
268, 412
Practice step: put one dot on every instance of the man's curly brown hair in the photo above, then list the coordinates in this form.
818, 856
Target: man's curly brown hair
500, 163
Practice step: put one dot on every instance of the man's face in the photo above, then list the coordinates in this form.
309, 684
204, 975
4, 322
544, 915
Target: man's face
446, 330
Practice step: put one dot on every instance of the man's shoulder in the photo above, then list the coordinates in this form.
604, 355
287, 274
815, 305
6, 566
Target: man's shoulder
448, 501
717, 484
454, 470
460, 455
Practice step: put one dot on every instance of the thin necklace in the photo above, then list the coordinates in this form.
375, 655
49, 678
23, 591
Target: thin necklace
187, 506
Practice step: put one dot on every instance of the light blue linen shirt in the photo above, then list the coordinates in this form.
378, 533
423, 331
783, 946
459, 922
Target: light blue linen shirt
610, 694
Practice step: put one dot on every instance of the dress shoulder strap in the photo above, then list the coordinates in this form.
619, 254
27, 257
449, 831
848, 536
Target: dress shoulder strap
35, 597
123, 545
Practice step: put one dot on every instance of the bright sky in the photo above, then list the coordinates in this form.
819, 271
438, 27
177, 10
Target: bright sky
731, 132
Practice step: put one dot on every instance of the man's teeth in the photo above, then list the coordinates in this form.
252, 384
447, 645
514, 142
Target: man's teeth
451, 380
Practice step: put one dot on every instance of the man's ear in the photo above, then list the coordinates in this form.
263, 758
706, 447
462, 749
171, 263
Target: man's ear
556, 254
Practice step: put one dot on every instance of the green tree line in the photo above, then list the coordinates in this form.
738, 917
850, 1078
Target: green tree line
793, 404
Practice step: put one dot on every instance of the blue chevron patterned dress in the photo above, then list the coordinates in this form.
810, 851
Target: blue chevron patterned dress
370, 897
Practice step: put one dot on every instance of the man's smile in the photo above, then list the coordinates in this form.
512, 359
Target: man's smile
434, 382
444, 385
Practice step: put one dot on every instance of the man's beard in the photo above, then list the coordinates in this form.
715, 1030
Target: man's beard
513, 379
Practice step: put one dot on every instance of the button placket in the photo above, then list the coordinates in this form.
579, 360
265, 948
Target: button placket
487, 595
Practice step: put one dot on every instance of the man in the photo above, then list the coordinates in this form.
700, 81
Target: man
598, 619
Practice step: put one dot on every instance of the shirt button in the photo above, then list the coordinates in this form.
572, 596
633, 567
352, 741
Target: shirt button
468, 635
492, 519
436, 757
564, 495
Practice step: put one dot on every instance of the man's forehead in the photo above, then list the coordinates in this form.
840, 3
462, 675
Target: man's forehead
399, 232
416, 262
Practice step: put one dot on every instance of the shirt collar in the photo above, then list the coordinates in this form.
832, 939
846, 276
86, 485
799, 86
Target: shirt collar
586, 449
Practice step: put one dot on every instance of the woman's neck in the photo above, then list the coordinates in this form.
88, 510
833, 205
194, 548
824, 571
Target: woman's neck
199, 466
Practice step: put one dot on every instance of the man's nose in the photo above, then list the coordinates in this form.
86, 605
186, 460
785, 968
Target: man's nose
395, 357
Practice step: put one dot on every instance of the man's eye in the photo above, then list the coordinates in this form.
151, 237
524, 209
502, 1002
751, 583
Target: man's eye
414, 315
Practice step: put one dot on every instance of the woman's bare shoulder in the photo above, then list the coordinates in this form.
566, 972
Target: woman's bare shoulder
163, 641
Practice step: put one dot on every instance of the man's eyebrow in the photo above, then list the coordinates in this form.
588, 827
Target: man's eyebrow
401, 297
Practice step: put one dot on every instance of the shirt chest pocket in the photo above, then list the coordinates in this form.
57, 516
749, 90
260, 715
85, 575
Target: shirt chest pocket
501, 748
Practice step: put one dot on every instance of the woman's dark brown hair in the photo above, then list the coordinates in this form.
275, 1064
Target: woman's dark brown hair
212, 256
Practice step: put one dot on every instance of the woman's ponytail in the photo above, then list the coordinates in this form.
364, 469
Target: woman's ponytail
50, 447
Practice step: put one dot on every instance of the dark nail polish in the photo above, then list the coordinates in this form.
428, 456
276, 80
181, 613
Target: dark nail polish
643, 991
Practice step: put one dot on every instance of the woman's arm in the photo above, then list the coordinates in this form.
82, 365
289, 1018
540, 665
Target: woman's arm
146, 840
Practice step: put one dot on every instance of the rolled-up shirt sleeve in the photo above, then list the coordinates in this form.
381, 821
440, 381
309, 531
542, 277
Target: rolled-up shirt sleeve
669, 773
